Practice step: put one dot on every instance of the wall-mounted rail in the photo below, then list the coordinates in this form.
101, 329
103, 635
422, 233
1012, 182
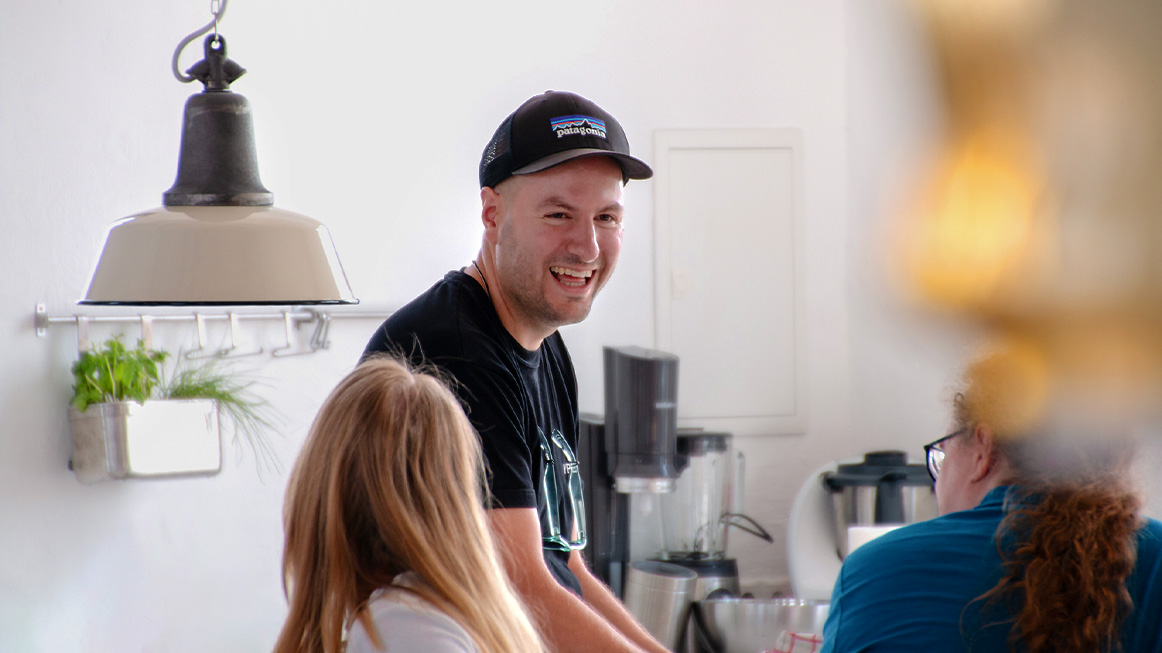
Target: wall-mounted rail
292, 319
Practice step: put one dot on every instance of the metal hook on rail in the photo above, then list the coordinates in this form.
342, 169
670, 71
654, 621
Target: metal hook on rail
147, 331
83, 344
319, 338
285, 350
232, 350
200, 328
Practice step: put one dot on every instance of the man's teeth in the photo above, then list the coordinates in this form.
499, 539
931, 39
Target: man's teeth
572, 273
571, 277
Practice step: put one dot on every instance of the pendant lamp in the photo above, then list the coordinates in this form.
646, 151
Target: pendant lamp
217, 239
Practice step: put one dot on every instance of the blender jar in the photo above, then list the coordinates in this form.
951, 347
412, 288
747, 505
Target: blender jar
695, 514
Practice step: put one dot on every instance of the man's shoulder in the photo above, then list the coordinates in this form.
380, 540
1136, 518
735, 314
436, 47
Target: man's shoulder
446, 320
432, 308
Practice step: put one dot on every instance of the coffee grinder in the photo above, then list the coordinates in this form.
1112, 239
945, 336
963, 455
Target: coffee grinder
632, 450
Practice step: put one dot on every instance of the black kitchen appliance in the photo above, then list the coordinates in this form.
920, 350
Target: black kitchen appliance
632, 449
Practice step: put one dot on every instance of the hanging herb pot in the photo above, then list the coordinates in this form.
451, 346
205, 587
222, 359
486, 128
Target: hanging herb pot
127, 421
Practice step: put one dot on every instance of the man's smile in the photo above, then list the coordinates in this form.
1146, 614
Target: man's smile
570, 277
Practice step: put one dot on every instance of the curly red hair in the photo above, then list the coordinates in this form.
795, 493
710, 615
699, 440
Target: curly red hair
1067, 551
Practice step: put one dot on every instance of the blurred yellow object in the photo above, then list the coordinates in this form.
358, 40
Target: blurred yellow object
1041, 217
1009, 387
980, 221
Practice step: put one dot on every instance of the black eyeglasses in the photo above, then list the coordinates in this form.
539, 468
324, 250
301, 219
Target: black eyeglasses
934, 453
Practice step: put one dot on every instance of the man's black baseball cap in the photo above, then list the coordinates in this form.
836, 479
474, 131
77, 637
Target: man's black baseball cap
550, 129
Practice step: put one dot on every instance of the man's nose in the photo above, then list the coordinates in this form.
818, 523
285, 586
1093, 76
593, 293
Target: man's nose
583, 241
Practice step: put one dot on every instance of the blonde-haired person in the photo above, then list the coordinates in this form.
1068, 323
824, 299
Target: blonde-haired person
387, 546
1041, 546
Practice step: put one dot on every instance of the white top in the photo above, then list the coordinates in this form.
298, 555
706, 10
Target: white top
408, 624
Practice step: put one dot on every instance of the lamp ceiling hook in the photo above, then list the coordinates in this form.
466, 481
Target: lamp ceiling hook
218, 9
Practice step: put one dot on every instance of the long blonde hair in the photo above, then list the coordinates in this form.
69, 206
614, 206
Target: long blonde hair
390, 479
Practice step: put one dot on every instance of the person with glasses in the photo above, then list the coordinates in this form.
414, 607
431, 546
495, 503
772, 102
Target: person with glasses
551, 182
1040, 546
387, 547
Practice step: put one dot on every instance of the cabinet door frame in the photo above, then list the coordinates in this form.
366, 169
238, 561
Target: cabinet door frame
732, 152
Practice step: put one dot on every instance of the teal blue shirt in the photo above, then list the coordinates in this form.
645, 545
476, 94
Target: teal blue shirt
910, 589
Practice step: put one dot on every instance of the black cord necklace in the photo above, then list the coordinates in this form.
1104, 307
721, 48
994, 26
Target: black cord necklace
483, 279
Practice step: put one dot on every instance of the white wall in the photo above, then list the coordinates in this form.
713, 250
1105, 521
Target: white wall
371, 117
904, 362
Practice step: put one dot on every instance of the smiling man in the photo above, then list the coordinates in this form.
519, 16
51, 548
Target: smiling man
551, 205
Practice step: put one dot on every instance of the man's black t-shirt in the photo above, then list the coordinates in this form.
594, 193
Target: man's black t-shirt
512, 396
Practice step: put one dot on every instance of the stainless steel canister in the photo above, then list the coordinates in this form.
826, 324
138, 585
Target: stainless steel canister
658, 595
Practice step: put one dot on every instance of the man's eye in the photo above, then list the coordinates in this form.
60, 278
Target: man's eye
607, 218
557, 216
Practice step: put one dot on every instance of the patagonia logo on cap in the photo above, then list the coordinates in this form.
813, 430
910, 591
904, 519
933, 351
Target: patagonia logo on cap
577, 126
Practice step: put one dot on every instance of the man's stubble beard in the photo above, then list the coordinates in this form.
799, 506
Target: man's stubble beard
522, 282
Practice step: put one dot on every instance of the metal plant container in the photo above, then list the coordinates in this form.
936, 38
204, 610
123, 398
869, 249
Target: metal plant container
119, 440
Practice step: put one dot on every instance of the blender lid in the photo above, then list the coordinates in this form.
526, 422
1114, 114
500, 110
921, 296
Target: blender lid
696, 442
878, 466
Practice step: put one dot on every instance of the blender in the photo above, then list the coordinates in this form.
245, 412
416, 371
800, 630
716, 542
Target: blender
696, 516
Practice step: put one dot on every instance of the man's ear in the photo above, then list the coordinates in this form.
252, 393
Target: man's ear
491, 210
985, 452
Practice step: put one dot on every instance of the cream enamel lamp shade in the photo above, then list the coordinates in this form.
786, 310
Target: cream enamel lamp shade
217, 239
218, 255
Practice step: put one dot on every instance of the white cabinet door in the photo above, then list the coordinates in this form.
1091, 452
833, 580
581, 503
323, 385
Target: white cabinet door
728, 280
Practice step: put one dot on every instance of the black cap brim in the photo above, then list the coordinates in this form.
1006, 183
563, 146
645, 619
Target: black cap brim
631, 167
